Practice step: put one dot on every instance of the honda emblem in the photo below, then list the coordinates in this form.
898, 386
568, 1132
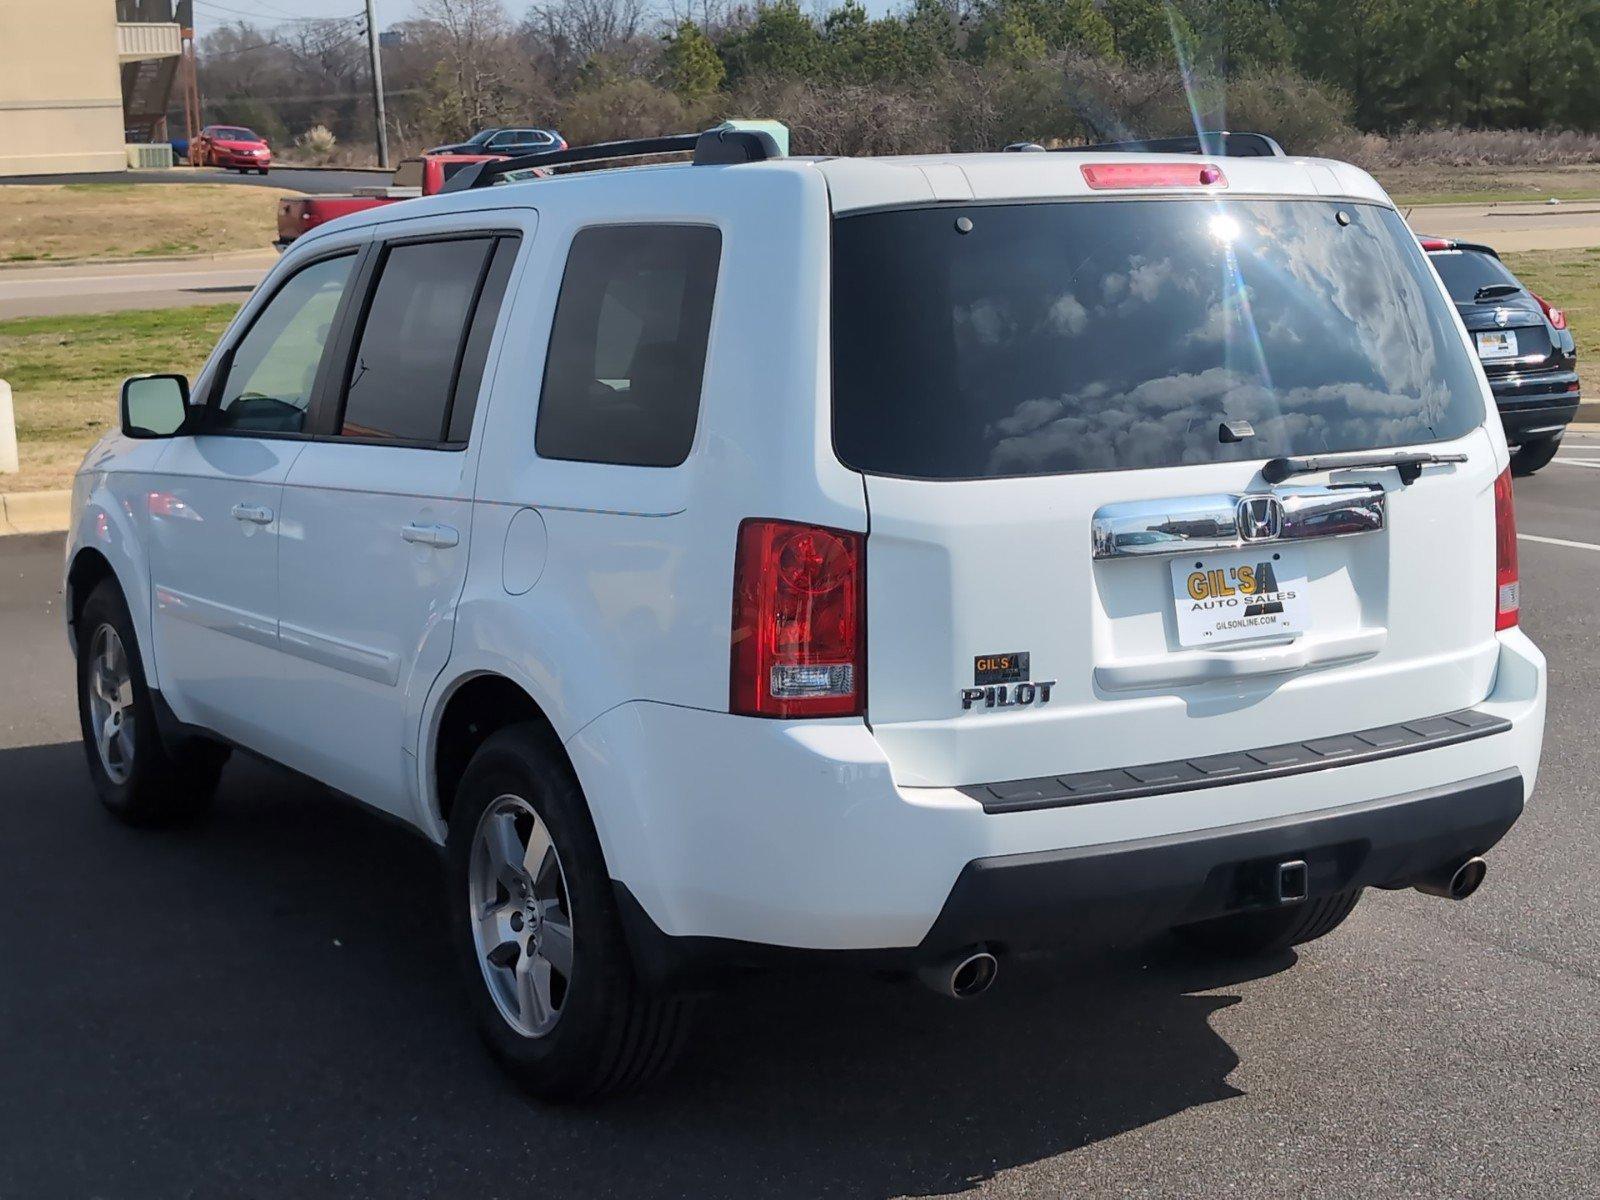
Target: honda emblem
1259, 518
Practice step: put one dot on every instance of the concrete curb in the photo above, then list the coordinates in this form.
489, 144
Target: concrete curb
34, 512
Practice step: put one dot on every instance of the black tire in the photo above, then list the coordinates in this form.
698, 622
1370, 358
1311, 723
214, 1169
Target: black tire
1531, 456
155, 783
1270, 931
610, 1035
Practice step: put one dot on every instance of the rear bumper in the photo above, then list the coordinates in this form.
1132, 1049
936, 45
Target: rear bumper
1108, 893
1527, 416
1099, 895
729, 834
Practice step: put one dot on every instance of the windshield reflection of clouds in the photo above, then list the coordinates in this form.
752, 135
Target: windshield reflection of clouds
1323, 336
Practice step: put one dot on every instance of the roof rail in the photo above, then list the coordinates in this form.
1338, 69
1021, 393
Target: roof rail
1219, 141
721, 145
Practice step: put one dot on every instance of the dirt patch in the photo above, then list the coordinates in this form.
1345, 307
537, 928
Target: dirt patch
1434, 183
75, 222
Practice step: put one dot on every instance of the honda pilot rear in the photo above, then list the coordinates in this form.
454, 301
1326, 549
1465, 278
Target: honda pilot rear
1185, 514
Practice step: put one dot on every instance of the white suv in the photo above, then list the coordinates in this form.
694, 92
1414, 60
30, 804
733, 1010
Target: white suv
916, 560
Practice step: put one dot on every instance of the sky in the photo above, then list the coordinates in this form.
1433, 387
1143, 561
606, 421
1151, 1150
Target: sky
210, 14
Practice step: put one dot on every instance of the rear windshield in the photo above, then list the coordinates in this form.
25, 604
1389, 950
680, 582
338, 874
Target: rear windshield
1465, 271
1037, 339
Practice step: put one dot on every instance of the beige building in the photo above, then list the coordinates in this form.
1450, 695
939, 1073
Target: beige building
74, 79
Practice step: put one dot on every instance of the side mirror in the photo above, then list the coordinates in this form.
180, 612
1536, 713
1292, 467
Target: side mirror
154, 406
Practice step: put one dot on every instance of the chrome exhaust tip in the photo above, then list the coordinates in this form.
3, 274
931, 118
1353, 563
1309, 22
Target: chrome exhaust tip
1455, 882
963, 975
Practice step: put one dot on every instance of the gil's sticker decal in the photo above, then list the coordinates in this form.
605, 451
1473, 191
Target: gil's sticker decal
1000, 668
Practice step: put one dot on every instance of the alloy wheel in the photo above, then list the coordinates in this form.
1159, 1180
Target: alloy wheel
111, 704
521, 916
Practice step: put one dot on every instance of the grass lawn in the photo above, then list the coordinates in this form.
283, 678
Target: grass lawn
65, 371
1569, 279
1489, 185
74, 222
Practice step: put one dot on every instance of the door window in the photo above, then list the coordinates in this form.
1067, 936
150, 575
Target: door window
274, 368
628, 345
410, 347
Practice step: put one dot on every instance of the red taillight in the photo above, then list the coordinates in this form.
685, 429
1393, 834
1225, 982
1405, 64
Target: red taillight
799, 633
1557, 318
1141, 175
1507, 589
1435, 243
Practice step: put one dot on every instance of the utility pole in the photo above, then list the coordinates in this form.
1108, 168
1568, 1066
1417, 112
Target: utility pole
377, 88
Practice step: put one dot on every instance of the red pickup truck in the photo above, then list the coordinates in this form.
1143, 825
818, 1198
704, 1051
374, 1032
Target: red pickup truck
413, 177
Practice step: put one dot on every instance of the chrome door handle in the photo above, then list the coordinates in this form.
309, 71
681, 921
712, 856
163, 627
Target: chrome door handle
441, 537
255, 514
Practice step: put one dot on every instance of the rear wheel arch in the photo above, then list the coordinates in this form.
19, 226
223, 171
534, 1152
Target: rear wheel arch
473, 709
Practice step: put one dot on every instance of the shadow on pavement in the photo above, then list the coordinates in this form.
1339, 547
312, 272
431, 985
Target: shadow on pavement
265, 1004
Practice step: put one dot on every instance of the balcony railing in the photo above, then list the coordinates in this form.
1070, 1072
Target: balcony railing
136, 40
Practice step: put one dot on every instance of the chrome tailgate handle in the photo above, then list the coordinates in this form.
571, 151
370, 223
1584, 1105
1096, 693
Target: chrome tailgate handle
1233, 520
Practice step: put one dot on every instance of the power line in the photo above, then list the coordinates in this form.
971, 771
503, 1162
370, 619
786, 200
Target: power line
282, 18
271, 8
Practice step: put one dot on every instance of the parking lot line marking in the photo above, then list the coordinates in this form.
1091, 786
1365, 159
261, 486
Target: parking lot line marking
1591, 463
1550, 541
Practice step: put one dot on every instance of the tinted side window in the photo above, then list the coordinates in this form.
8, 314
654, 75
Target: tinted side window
628, 345
269, 385
410, 344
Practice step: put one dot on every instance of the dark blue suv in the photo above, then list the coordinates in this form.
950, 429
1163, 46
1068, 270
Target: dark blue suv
1524, 344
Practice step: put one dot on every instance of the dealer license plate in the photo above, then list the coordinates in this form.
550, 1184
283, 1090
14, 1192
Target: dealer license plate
1239, 596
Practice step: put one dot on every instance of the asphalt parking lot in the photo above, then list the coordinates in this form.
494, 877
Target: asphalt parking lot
264, 1005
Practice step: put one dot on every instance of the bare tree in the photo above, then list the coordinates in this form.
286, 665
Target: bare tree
475, 68
579, 30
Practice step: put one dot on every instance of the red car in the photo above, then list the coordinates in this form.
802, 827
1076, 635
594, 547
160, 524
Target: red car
231, 146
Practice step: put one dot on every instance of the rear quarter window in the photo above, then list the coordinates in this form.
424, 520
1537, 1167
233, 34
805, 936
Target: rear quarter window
628, 345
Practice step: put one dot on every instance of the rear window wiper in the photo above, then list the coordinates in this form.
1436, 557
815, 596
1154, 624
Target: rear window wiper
1495, 291
1408, 462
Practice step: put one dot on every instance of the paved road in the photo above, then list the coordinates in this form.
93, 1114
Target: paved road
294, 178
99, 287
1512, 227
264, 1006
107, 287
